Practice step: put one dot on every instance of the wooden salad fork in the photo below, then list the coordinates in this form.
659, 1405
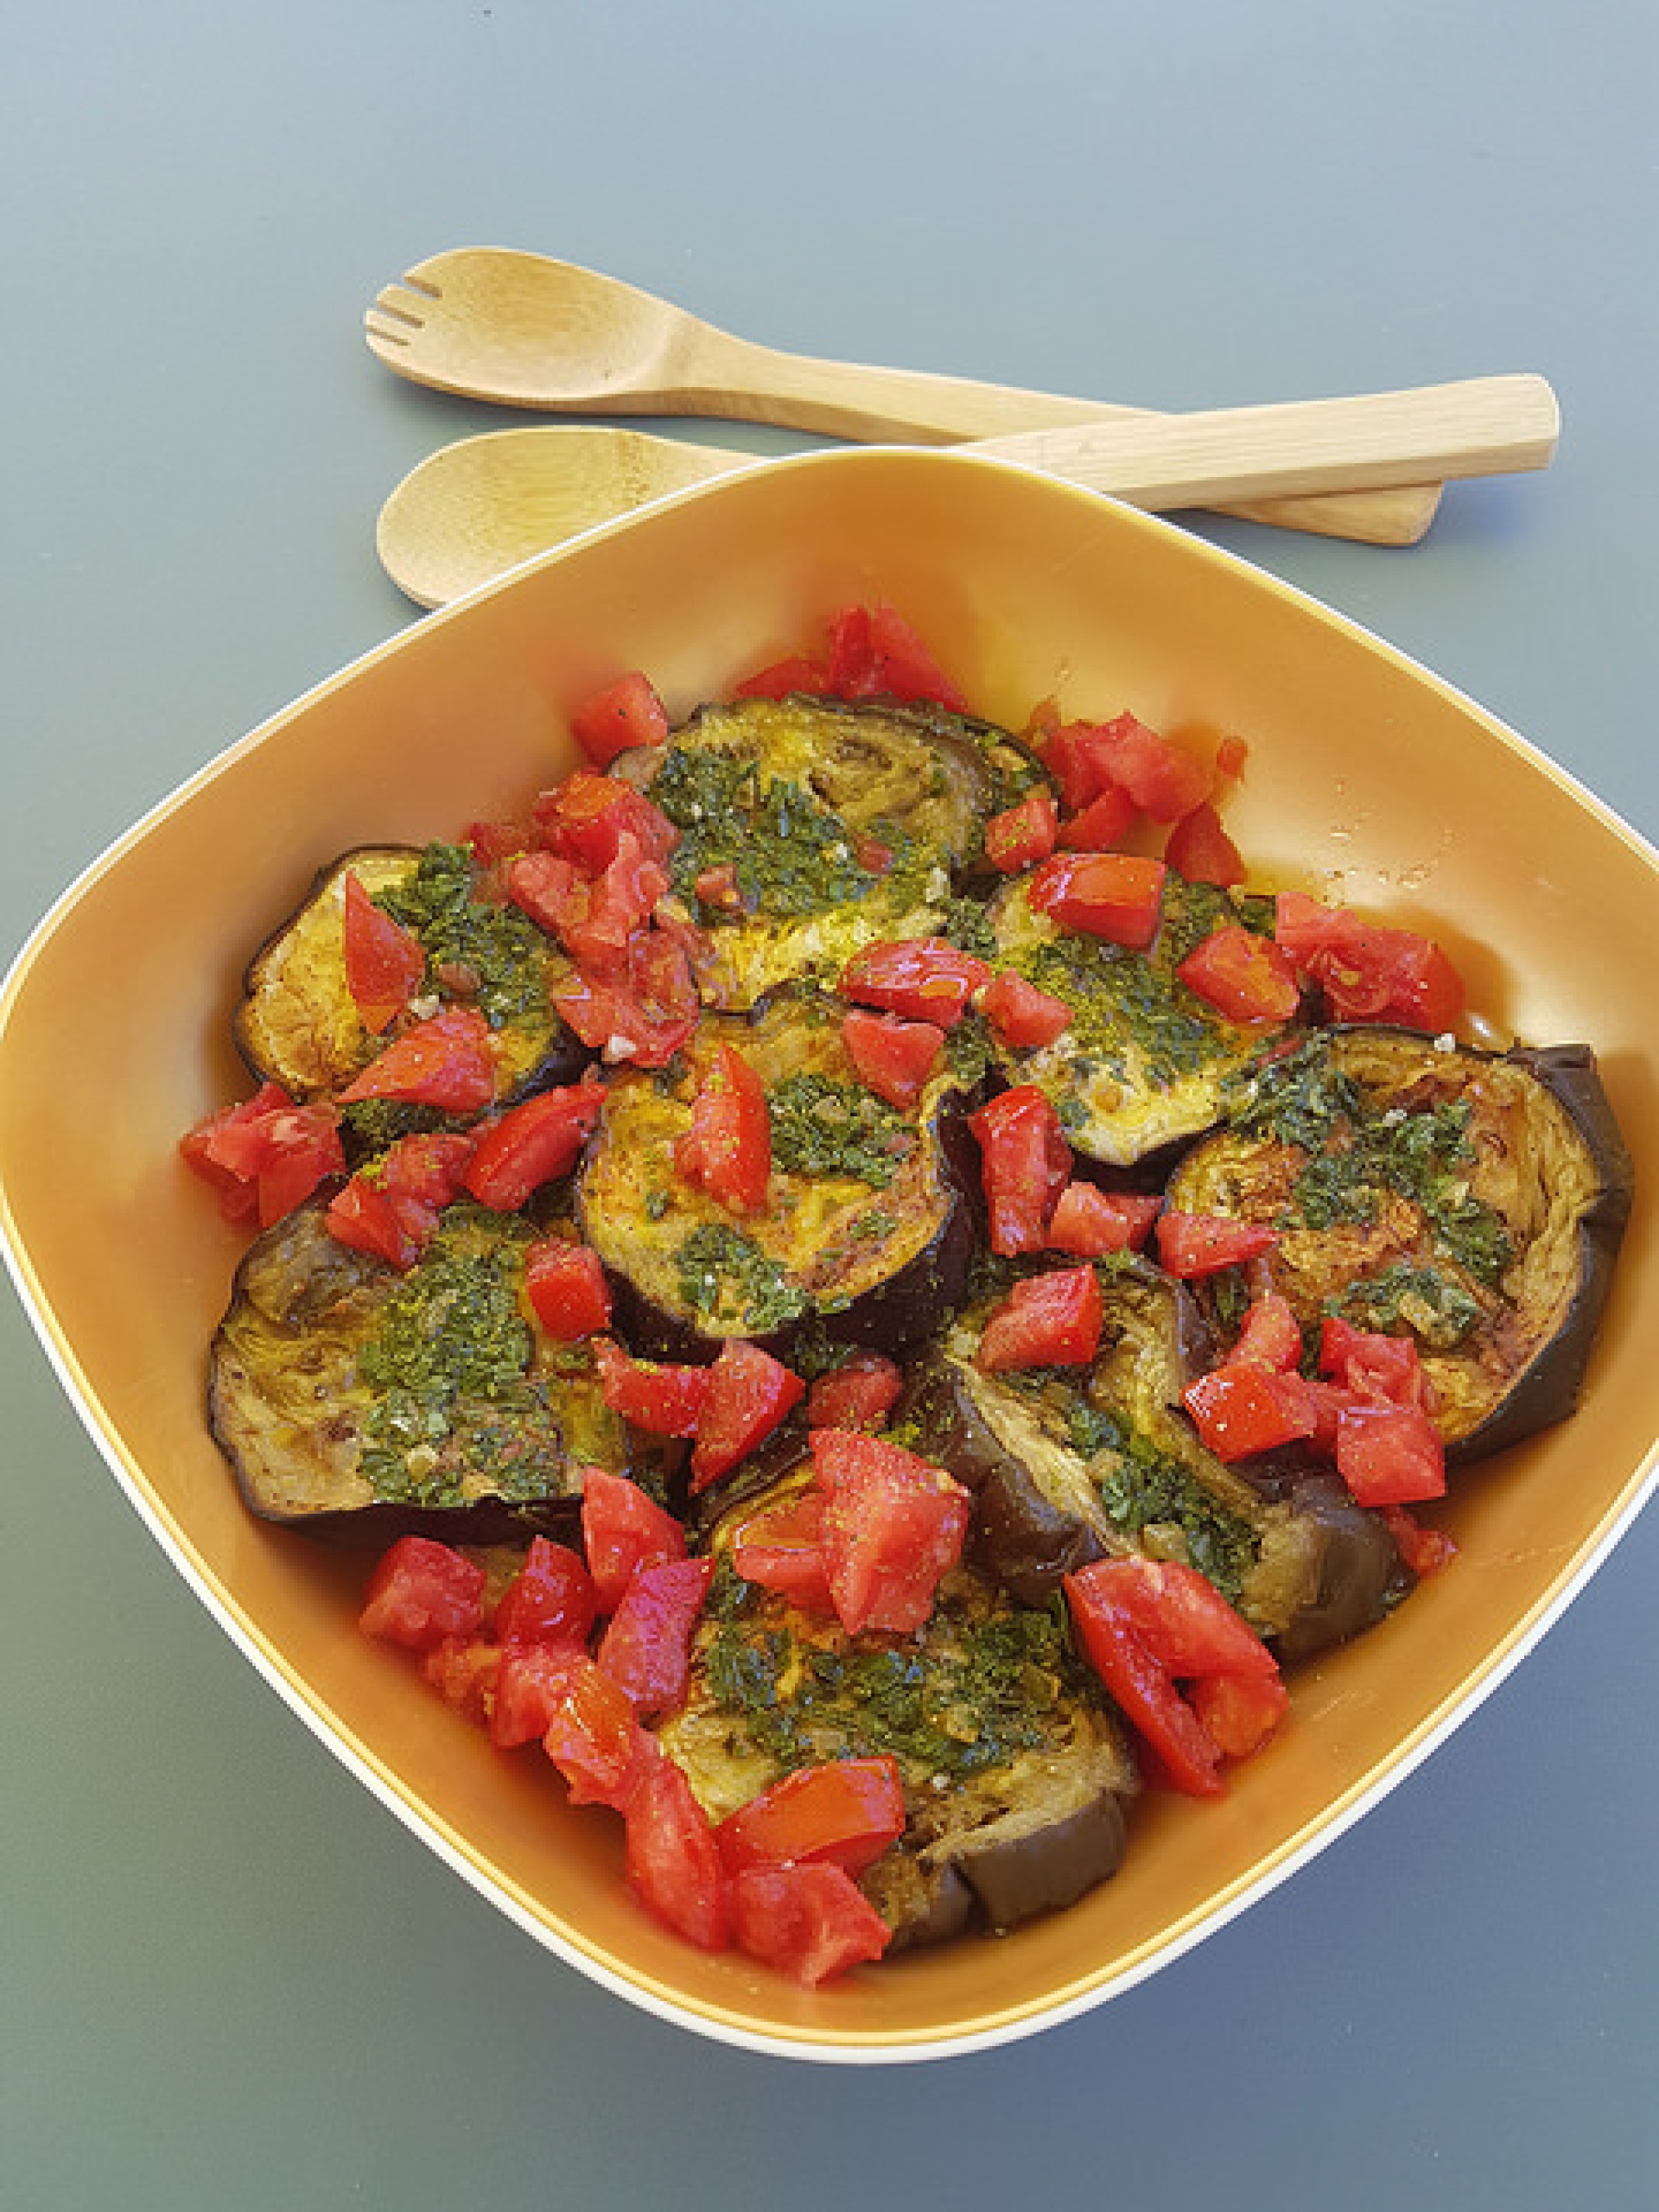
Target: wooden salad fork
526, 331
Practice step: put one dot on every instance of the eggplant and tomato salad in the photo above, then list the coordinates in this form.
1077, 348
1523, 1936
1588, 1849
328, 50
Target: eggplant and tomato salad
872, 1292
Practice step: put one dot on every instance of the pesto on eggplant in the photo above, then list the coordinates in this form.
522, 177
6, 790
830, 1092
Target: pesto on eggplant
1473, 1201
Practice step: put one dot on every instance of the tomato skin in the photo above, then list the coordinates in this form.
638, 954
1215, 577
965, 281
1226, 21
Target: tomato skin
646, 1649
1271, 1335
1369, 972
1241, 1408
446, 1061
1246, 978
921, 978
779, 680
1115, 896
782, 1549
673, 1862
750, 1393
665, 1400
1165, 780
1022, 1016
1088, 1222
845, 1812
1425, 1551
1046, 1321
1187, 1756
1389, 1454
727, 1151
531, 1682
1022, 834
1183, 1619
893, 1525
551, 1600
860, 1393
392, 1209
1378, 1369
1100, 825
1190, 1244
1025, 1164
584, 818
893, 1058
625, 713
874, 653
809, 1920
566, 1287
623, 1530
265, 1156
643, 1016
385, 963
421, 1593
534, 1142
1199, 848
594, 1738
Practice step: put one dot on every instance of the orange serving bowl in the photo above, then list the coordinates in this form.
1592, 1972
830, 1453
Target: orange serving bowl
1367, 779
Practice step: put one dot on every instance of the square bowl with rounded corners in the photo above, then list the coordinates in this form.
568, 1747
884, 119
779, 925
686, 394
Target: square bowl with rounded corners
1367, 779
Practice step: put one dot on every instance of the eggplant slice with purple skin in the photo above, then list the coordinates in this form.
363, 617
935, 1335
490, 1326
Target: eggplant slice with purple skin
299, 1026
827, 826
872, 1217
357, 1403
1016, 1770
1473, 1200
1070, 1465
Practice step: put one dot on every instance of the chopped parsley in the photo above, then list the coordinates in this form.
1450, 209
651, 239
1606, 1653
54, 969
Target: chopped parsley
730, 1282
498, 944
824, 1127
790, 854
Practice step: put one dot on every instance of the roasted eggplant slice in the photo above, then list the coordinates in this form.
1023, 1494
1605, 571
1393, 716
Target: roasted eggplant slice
1068, 1466
1015, 1770
1145, 1062
299, 1026
809, 827
1474, 1200
352, 1401
871, 1217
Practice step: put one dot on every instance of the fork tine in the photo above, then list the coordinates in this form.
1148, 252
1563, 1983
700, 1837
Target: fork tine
401, 306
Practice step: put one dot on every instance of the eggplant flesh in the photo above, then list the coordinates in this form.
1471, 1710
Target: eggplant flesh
1066, 1467
360, 1404
1015, 1770
784, 803
1145, 1063
1473, 1200
871, 1216
298, 1024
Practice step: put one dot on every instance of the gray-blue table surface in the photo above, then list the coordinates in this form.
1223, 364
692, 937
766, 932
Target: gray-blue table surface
228, 1978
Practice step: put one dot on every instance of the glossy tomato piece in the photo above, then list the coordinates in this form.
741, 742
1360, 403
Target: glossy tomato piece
893, 1525
1100, 825
1367, 971
673, 1862
531, 1681
1078, 757
1425, 1551
646, 1649
1241, 1408
750, 1393
385, 963
1200, 849
551, 1600
567, 1288
860, 1393
662, 1399
391, 1210
1046, 1321
446, 1061
1025, 1164
875, 653
643, 1016
1164, 779
779, 680
846, 1811
534, 1142
1186, 1756
584, 818
594, 1738
782, 1549
1190, 1244
1271, 1335
1115, 896
810, 1921
1181, 1616
894, 1058
1246, 978
1023, 834
625, 713
727, 1151
1088, 1222
1380, 1368
1389, 1454
1022, 1016
1239, 1712
924, 979
623, 1530
266, 1155
421, 1593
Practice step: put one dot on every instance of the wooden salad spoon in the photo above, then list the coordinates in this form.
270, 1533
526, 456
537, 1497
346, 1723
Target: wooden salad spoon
492, 324
478, 507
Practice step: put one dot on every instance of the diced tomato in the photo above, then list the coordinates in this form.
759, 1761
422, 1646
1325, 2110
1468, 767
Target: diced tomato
1022, 1016
1023, 834
893, 1525
860, 1393
1115, 896
1191, 1244
1389, 1454
1231, 755
810, 1921
874, 653
718, 887
532, 1680
1271, 1335
585, 819
643, 1016
390, 1208
1379, 1369
551, 1600
595, 918
462, 1669
626, 713
1181, 1616
782, 1549
1241, 1408
646, 1649
1162, 779
779, 680
567, 1288
749, 1393
385, 963
446, 1061
1186, 1755
1239, 1712
673, 1862
666, 1400
1245, 977
534, 1142
922, 978
593, 1736
871, 855
623, 1530
1046, 1321
266, 1155
1088, 1222
1200, 849
1025, 1164
1425, 1551
421, 1593
1369, 972
1100, 825
894, 1058
845, 1812
492, 843
727, 1151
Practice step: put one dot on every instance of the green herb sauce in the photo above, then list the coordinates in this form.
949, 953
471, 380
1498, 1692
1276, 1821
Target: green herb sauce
731, 1283
790, 854
823, 1127
499, 945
